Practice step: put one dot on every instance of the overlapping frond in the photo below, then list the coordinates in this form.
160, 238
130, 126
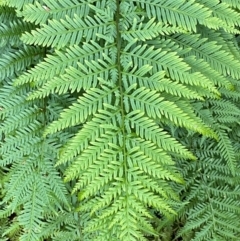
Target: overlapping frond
115, 97
14, 62
212, 217
221, 10
69, 31
11, 32
55, 65
232, 3
24, 154
7, 14
210, 52
178, 13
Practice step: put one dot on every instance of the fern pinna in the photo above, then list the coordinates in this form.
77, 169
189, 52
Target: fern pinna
119, 97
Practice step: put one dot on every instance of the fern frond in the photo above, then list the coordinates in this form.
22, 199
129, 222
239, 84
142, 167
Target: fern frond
90, 131
226, 149
148, 30
54, 65
231, 94
7, 14
213, 185
213, 75
232, 3
41, 13
157, 82
29, 216
211, 52
160, 60
91, 102
20, 121
100, 146
62, 226
119, 97
222, 11
19, 4
55, 35
14, 62
10, 32
156, 107
85, 77
178, 13
149, 130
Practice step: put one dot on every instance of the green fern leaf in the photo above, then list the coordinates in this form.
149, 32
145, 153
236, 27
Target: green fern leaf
40, 13
76, 30
177, 13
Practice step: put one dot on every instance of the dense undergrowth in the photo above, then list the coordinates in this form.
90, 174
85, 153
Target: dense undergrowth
119, 120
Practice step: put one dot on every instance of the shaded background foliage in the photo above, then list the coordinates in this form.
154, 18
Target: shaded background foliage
119, 120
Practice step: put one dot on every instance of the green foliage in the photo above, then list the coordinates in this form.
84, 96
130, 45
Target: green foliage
119, 120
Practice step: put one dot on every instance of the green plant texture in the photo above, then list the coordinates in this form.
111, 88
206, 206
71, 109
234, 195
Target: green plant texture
119, 120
